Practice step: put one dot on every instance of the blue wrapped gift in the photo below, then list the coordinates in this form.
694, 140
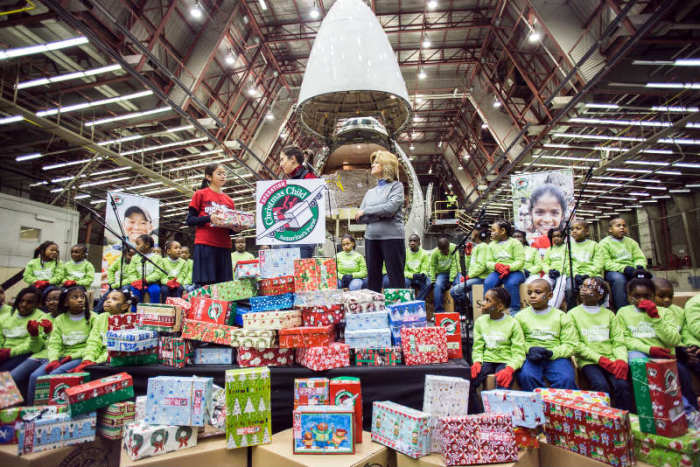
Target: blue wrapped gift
272, 302
370, 320
526, 408
278, 262
396, 327
55, 432
212, 356
178, 400
407, 311
131, 340
240, 311
368, 338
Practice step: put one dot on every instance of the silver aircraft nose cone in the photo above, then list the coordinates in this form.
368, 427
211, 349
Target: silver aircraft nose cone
352, 72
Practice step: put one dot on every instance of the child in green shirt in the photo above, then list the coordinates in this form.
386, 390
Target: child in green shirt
150, 283
587, 261
78, 270
176, 268
240, 254
600, 349
115, 278
443, 270
690, 334
4, 307
352, 269
505, 258
499, 345
186, 255
477, 271
45, 269
555, 265
550, 340
417, 268
533, 259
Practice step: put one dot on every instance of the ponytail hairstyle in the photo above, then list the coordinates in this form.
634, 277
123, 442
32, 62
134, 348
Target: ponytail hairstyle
551, 232
147, 239
208, 170
62, 301
502, 295
40, 251
507, 226
26, 291
128, 297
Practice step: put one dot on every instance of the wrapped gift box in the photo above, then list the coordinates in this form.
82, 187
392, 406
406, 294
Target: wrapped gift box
256, 338
397, 326
140, 408
317, 298
347, 391
174, 351
229, 291
315, 274
526, 408
453, 330
322, 315
401, 428
526, 437
111, 420
407, 311
362, 301
247, 407
131, 340
477, 439
390, 356
422, 346
209, 310
9, 394
278, 262
657, 394
369, 320
216, 411
593, 430
392, 296
100, 393
323, 429
51, 389
212, 356
55, 432
336, 355
180, 304
207, 332
144, 440
248, 269
272, 302
444, 396
159, 317
178, 400
123, 321
311, 391
142, 357
10, 416
241, 310
276, 285
368, 338
252, 357
683, 451
272, 320
575, 394
316, 336
234, 219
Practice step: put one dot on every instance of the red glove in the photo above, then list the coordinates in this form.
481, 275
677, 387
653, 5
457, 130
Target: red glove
65, 359
468, 248
138, 285
33, 328
41, 284
4, 354
607, 365
504, 377
83, 364
173, 284
52, 366
649, 307
47, 325
476, 369
505, 270
620, 369
69, 283
659, 352
499, 268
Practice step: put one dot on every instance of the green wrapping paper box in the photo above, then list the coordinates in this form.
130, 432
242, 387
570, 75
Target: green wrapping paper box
247, 407
100, 393
657, 393
230, 291
399, 295
657, 450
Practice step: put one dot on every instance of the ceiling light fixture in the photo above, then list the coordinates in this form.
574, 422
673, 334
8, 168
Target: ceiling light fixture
314, 12
422, 74
11, 119
269, 116
41, 48
180, 128
28, 157
66, 164
68, 76
263, 5
426, 43
230, 58
679, 190
432, 4
200, 164
127, 116
120, 140
534, 36
163, 146
104, 182
196, 11
496, 103
86, 105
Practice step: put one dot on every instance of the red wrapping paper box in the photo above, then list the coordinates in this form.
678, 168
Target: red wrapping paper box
100, 393
276, 285
252, 357
315, 274
453, 330
123, 321
316, 336
477, 439
342, 390
336, 355
209, 310
322, 315
422, 346
207, 332
180, 303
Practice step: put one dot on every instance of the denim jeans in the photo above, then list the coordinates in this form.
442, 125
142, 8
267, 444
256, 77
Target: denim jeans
355, 284
22, 372
442, 284
512, 285
166, 292
559, 373
13, 362
620, 390
457, 291
422, 284
617, 282
41, 371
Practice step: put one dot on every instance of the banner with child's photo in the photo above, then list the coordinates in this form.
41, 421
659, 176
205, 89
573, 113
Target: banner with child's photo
138, 215
542, 201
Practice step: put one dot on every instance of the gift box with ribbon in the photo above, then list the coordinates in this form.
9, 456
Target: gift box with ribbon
144, 440
401, 428
362, 301
55, 432
276, 285
422, 346
315, 336
311, 391
444, 396
256, 338
112, 419
247, 269
99, 393
657, 393
336, 355
365, 321
178, 400
272, 320
477, 439
315, 274
248, 407
278, 262
174, 351
575, 394
347, 391
207, 332
399, 295
212, 356
10, 416
316, 298
131, 340
209, 310
161, 317
390, 356
252, 357
234, 219
123, 321
526, 408
229, 291
368, 338
51, 389
453, 330
271, 302
683, 451
322, 315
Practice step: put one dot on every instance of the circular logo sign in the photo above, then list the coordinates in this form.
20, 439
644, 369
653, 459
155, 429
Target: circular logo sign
59, 393
283, 202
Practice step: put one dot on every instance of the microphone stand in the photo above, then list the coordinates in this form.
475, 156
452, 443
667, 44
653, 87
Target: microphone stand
122, 238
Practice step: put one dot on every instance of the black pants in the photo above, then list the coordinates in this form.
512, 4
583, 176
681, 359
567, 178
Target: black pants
487, 368
391, 252
620, 390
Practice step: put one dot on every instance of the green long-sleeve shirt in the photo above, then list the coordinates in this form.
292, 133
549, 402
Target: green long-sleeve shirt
556, 258
153, 275
533, 260
498, 341
599, 335
509, 252
642, 332
43, 354
691, 329
188, 274
83, 272
351, 263
587, 258
551, 329
417, 262
440, 263
4, 308
37, 270
69, 337
14, 334
95, 348
176, 269
242, 256
618, 254
477, 262
114, 272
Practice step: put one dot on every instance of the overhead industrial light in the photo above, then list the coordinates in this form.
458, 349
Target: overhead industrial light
103, 182
11, 119
28, 157
679, 190
439, 144
163, 146
432, 4
179, 128
534, 36
673, 85
662, 164
484, 126
200, 164
68, 76
65, 164
634, 139
426, 43
422, 74
496, 103
688, 165
81, 196
314, 13
86, 105
269, 116
109, 171
568, 158
120, 140
41, 48
128, 116
610, 121
230, 58
263, 5
412, 147
196, 11
676, 62
252, 92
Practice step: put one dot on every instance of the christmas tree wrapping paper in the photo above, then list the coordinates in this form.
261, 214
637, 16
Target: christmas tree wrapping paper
323, 429
422, 346
316, 298
9, 394
99, 393
144, 440
10, 416
368, 338
252, 357
444, 396
56, 432
276, 285
390, 356
477, 439
174, 351
248, 407
257, 338
272, 320
142, 357
347, 391
336, 355
162, 317
178, 400
657, 393
311, 391
399, 295
212, 356
683, 451
248, 269
453, 330
207, 332
131, 340
315, 274
51, 389
213, 311
576, 395
526, 408
362, 301
229, 291
112, 419
278, 262
322, 315
369, 320
123, 321
271, 302
309, 336
401, 428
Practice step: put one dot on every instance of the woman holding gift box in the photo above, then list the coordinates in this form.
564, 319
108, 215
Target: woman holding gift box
351, 265
382, 210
